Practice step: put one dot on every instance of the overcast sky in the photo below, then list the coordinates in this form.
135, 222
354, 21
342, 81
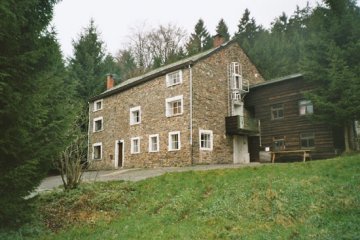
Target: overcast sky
115, 18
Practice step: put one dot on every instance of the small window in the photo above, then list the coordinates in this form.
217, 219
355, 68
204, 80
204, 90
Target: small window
154, 143
97, 151
307, 140
174, 106
98, 105
279, 144
206, 140
306, 107
277, 111
135, 115
135, 145
173, 78
174, 141
98, 124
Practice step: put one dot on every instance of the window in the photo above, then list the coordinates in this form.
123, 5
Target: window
98, 105
277, 111
154, 143
98, 124
97, 151
206, 140
279, 144
306, 107
173, 78
174, 106
135, 115
135, 145
174, 141
307, 140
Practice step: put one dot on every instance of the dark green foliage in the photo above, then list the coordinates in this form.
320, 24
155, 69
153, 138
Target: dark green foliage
222, 30
35, 110
332, 60
276, 52
88, 69
200, 40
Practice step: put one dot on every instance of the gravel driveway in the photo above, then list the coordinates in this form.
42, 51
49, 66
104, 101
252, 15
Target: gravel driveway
134, 174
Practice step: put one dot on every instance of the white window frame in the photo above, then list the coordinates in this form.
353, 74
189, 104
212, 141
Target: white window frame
207, 132
169, 80
99, 144
94, 124
168, 107
132, 110
132, 145
170, 141
306, 107
95, 105
157, 143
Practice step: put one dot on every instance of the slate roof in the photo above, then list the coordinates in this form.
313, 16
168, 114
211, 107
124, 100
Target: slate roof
277, 80
159, 72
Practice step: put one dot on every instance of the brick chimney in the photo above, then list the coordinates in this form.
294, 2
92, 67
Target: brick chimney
218, 40
110, 82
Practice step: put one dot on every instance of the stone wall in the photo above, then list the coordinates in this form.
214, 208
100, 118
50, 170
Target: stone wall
211, 101
210, 106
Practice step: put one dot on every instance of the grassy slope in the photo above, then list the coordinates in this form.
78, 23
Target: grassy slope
313, 200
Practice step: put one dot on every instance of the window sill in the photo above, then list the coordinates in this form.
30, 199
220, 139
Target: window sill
175, 115
206, 149
172, 85
97, 159
98, 131
134, 124
173, 150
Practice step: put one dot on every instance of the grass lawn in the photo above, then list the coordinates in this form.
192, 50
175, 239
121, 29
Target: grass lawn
312, 200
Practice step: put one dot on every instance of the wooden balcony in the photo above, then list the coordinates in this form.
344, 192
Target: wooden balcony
240, 125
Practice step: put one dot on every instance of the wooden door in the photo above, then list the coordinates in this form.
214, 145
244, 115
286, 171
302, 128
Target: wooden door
120, 154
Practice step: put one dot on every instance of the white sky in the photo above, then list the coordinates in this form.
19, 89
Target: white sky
115, 18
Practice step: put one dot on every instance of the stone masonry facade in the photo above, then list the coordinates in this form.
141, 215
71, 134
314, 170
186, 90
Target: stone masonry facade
209, 97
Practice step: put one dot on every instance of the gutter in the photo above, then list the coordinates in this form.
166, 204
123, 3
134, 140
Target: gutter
191, 114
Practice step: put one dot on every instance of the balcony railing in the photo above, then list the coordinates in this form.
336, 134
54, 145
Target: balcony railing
241, 125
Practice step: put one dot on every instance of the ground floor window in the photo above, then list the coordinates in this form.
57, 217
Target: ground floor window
135, 145
97, 151
307, 140
154, 143
279, 144
174, 141
206, 140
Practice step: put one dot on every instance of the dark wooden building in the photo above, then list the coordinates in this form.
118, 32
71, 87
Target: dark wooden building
285, 120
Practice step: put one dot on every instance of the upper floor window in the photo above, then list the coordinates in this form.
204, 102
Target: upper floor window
174, 106
174, 78
97, 151
277, 111
135, 115
154, 143
306, 107
307, 140
98, 105
206, 140
135, 145
98, 124
174, 141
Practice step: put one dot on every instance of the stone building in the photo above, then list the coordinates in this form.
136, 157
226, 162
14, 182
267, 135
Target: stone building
175, 115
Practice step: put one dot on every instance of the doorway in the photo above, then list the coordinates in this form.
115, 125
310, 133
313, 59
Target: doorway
119, 154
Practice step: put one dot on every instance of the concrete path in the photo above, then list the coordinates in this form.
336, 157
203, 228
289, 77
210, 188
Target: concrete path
134, 174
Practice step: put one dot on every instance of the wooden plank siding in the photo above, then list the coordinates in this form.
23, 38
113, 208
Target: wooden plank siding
288, 92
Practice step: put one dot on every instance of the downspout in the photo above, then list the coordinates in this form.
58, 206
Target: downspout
191, 114
88, 137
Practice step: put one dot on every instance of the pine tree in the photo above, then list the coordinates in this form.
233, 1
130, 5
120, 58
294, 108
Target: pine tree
223, 30
35, 113
200, 40
332, 61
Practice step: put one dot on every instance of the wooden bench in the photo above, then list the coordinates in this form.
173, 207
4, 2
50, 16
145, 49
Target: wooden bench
302, 153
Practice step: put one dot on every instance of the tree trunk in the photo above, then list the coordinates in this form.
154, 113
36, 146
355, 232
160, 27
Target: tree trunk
346, 138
